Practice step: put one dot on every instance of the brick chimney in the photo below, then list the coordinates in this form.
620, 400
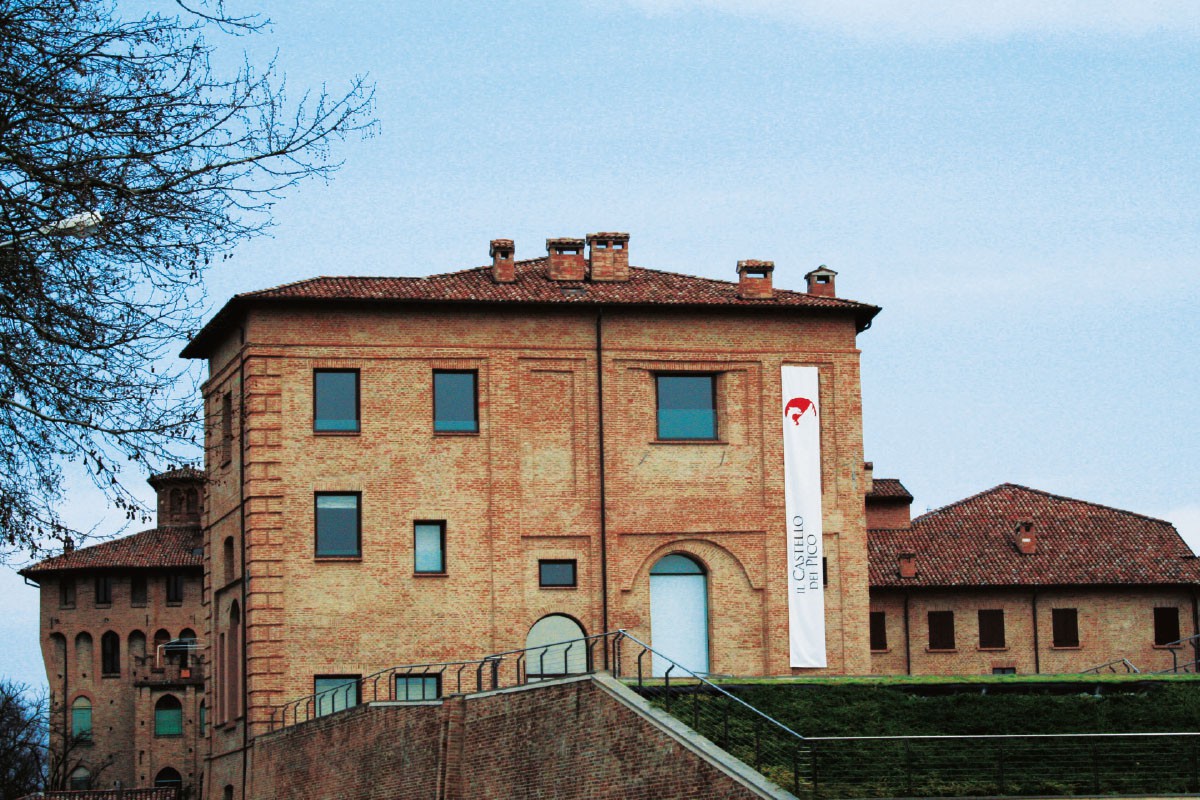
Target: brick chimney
754, 279
907, 563
1026, 538
504, 269
820, 281
566, 259
608, 256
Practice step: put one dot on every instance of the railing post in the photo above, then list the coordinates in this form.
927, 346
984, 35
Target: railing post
667, 687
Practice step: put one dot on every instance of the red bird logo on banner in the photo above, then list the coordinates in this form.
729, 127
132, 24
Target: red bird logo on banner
797, 407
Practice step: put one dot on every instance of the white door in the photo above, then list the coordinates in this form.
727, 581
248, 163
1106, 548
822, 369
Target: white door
679, 614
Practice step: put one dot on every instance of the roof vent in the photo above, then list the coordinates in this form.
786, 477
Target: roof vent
503, 267
754, 279
566, 259
1026, 538
820, 281
907, 563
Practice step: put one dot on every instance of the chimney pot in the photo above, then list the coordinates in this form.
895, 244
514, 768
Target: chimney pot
504, 268
608, 256
820, 281
754, 279
566, 259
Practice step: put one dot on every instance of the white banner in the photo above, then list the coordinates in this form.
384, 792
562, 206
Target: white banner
802, 498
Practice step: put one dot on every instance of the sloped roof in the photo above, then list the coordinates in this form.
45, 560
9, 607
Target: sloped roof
645, 287
164, 547
973, 543
888, 489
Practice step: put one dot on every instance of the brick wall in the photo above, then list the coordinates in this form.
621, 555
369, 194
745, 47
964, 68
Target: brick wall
1114, 623
566, 740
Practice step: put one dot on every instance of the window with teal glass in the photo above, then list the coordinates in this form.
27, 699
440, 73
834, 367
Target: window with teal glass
168, 716
81, 719
455, 406
418, 687
338, 521
335, 400
429, 547
334, 693
687, 406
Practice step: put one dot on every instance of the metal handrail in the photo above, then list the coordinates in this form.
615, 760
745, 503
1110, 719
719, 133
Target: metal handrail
1125, 662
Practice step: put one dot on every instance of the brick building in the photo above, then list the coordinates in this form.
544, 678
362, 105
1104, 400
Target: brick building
413, 470
1018, 580
120, 623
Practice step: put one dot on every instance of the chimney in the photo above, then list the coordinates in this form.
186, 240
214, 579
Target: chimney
868, 477
754, 279
820, 281
608, 257
504, 269
908, 565
566, 259
1026, 538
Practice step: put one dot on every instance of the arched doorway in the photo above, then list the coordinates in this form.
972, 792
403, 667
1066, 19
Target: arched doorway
679, 613
554, 649
168, 777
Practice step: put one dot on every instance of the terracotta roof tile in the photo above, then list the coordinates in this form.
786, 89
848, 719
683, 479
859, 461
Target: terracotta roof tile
888, 488
161, 548
532, 286
973, 543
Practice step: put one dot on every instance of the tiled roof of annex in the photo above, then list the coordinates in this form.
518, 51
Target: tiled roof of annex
533, 286
973, 542
165, 547
888, 489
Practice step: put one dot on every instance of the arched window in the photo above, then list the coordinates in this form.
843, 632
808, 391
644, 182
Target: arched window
203, 719
227, 558
80, 779
233, 674
184, 646
176, 502
137, 648
83, 653
58, 646
193, 502
161, 637
81, 719
227, 792
679, 614
168, 777
110, 654
555, 647
168, 716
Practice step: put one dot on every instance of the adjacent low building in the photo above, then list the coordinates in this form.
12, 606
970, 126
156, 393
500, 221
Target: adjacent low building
1016, 580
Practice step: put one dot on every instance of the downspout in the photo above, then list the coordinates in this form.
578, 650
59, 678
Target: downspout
1195, 631
1037, 656
245, 611
907, 643
603, 497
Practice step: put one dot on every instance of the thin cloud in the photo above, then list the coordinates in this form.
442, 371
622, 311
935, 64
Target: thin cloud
958, 19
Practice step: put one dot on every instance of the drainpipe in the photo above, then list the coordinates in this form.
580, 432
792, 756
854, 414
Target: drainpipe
1195, 632
603, 497
907, 644
1037, 656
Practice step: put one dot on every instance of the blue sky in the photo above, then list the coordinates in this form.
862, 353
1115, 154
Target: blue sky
1017, 187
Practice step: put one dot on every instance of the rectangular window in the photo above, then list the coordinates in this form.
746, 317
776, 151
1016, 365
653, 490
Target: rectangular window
226, 427
1064, 624
455, 402
335, 400
103, 590
991, 628
335, 692
1004, 670
338, 524
429, 547
137, 591
879, 630
174, 590
941, 630
1166, 625
66, 593
418, 687
687, 406
110, 654
555, 572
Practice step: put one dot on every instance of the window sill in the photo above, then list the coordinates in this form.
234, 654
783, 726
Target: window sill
992, 649
940, 650
431, 574
104, 605
66, 608
137, 605
109, 675
456, 433
1167, 646
689, 441
881, 652
1066, 647
175, 603
559, 588
337, 559
337, 433
168, 736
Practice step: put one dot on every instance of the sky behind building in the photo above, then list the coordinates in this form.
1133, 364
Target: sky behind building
1017, 187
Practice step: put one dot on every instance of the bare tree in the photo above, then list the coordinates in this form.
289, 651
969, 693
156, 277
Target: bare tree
124, 131
23, 737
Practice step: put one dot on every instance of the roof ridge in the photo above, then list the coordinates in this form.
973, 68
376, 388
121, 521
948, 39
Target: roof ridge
1044, 493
